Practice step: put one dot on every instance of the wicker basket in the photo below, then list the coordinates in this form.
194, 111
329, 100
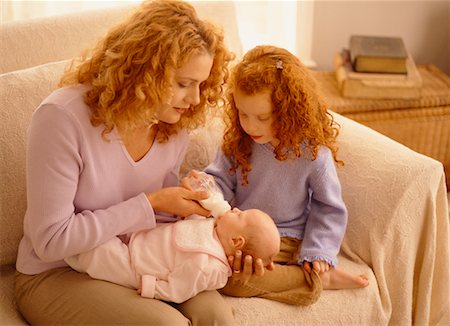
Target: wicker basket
422, 124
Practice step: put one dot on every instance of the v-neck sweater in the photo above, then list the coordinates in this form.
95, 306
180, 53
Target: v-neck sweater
82, 190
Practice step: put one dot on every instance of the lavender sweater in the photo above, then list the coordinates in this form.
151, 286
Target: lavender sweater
83, 190
302, 196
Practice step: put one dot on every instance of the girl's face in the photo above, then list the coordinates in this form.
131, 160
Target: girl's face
186, 87
255, 116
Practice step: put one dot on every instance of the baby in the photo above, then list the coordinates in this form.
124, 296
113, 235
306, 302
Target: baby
191, 256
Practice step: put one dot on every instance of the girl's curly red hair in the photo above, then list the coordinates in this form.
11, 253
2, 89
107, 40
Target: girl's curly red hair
130, 71
300, 115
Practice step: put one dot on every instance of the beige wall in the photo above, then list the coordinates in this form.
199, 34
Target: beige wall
423, 25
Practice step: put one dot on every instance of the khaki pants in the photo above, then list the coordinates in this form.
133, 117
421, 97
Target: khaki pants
288, 282
63, 296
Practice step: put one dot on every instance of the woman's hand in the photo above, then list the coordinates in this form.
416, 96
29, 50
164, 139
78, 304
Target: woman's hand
242, 271
185, 182
178, 201
318, 265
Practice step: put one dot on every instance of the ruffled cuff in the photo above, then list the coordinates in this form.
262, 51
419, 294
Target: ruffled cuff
328, 260
148, 285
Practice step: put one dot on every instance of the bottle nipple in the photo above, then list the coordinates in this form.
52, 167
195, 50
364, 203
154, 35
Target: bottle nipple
216, 204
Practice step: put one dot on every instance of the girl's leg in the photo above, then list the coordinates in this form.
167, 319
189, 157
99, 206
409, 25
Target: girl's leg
207, 308
286, 283
63, 296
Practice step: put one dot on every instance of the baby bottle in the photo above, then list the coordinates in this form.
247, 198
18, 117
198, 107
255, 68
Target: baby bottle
200, 181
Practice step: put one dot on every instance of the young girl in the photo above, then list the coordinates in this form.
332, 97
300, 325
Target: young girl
103, 159
278, 155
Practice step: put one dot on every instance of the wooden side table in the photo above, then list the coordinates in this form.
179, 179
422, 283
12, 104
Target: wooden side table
422, 124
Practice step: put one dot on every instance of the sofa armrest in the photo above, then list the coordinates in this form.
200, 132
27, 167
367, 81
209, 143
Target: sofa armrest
398, 222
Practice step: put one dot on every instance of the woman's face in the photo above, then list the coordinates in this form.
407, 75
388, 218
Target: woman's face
186, 87
255, 116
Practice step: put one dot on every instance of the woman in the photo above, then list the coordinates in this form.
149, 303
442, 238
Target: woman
103, 158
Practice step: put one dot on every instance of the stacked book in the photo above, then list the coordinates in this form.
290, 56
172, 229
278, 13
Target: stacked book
377, 68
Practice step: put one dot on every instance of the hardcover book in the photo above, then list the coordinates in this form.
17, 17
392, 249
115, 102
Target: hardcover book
378, 54
353, 84
343, 59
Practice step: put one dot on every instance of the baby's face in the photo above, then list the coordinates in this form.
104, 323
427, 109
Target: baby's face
234, 220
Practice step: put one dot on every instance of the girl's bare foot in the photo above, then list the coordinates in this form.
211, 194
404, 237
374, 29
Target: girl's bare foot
337, 279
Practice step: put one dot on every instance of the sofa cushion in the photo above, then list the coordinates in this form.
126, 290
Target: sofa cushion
21, 93
53, 38
9, 315
62, 37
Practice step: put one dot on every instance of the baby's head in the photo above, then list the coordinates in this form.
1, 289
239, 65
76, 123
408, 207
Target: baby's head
251, 231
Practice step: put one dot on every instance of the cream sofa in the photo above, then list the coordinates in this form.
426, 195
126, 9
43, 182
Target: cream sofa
398, 230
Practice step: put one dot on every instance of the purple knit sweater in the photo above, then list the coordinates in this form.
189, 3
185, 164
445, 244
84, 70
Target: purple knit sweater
83, 190
302, 196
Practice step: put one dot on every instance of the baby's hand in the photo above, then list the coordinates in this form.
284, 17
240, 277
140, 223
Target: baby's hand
319, 266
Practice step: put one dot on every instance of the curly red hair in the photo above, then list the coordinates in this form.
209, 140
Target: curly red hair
300, 115
130, 71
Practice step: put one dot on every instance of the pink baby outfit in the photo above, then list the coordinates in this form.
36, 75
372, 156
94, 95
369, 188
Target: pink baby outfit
190, 259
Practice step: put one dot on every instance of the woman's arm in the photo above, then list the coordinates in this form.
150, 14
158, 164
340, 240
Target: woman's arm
55, 162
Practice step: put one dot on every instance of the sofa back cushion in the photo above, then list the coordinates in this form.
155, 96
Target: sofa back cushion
28, 43
21, 93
